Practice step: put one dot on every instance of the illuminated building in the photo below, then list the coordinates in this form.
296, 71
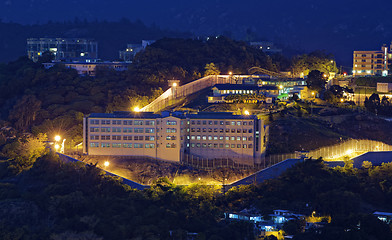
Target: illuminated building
266, 47
62, 48
370, 63
129, 53
174, 136
90, 68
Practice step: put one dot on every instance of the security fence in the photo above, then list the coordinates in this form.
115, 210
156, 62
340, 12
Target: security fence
176, 94
349, 148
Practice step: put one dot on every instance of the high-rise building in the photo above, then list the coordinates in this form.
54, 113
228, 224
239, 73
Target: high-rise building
62, 48
370, 63
174, 136
132, 49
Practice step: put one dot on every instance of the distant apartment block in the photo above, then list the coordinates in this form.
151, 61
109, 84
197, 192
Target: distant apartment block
174, 136
62, 48
89, 68
267, 47
129, 53
384, 87
371, 63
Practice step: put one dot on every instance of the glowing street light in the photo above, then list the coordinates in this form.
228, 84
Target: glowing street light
348, 152
341, 100
246, 112
280, 86
57, 147
106, 164
230, 73
175, 84
57, 138
136, 109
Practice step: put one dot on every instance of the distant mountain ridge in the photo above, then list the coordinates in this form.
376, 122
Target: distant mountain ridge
339, 27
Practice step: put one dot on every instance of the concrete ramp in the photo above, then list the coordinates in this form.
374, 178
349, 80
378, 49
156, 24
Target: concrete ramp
268, 173
376, 158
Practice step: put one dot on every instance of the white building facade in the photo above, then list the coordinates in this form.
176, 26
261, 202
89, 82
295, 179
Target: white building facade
174, 136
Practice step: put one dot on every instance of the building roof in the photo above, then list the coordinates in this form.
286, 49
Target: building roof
90, 63
383, 214
150, 115
125, 114
244, 87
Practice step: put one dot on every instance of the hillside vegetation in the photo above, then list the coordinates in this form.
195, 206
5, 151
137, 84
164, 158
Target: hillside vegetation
53, 200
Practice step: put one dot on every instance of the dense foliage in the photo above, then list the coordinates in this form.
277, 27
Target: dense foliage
189, 59
376, 105
54, 101
53, 200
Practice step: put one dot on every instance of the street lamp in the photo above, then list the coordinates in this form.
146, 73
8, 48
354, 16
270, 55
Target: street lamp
106, 164
136, 109
57, 138
246, 112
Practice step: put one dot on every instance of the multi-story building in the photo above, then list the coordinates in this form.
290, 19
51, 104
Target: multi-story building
174, 136
129, 53
370, 63
267, 47
221, 91
62, 48
88, 68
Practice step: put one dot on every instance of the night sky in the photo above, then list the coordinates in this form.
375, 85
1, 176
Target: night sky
337, 26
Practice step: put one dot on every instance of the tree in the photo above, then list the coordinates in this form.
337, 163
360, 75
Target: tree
25, 112
316, 81
211, 69
24, 151
372, 104
293, 227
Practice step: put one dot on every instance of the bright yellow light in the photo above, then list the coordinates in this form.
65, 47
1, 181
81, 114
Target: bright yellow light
313, 93
57, 138
136, 109
281, 87
106, 164
174, 84
341, 100
348, 152
57, 147
325, 75
230, 73
246, 112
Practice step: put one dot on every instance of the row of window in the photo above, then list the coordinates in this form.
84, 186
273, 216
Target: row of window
123, 145
221, 130
118, 137
168, 122
152, 138
215, 145
237, 91
124, 130
123, 122
227, 138
210, 122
